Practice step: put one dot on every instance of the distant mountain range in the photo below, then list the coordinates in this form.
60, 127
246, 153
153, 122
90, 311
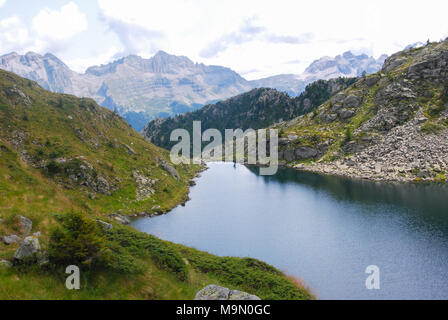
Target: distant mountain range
166, 85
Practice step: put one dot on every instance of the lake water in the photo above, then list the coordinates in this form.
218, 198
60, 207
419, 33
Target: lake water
324, 230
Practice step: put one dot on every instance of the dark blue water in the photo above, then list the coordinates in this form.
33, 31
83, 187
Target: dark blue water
325, 230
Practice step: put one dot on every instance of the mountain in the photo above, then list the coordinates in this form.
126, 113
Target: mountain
345, 65
139, 89
392, 125
166, 85
256, 109
72, 174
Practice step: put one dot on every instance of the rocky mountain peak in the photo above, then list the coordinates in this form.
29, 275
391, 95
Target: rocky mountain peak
165, 84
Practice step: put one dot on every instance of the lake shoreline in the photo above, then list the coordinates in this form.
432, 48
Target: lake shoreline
234, 212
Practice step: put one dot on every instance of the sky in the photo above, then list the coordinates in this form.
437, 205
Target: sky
256, 38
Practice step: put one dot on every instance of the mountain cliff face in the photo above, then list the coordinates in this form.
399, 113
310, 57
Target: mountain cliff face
164, 85
139, 89
256, 109
392, 125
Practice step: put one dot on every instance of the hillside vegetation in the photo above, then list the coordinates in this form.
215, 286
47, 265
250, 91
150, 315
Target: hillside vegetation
71, 173
256, 109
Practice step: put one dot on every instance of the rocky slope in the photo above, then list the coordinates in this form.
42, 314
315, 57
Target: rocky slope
256, 109
166, 85
391, 125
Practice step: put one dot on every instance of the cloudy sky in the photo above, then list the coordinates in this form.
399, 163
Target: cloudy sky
256, 38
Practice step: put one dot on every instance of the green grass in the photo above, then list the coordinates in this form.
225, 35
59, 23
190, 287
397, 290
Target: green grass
431, 128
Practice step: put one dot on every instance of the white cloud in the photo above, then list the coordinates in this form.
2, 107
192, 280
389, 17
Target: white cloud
143, 27
50, 30
14, 36
2, 2
257, 37
80, 64
216, 32
60, 24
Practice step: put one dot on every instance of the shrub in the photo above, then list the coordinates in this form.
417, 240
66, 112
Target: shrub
435, 110
53, 167
348, 135
281, 133
431, 128
120, 259
164, 256
76, 241
247, 274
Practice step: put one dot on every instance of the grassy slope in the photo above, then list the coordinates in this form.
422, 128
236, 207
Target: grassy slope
37, 131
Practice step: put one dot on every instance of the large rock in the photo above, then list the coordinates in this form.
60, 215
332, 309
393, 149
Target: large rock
306, 153
29, 248
121, 219
346, 114
10, 239
26, 225
338, 98
214, 292
298, 154
103, 186
171, 170
352, 101
5, 263
104, 225
371, 81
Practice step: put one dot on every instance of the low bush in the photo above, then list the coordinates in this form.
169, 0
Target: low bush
77, 241
431, 128
163, 255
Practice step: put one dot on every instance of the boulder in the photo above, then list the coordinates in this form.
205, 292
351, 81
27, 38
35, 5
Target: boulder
283, 141
373, 80
5, 263
129, 149
338, 98
103, 186
10, 239
214, 292
104, 225
241, 296
29, 248
26, 225
354, 147
289, 155
346, 114
171, 170
121, 219
352, 101
298, 154
328, 117
305, 153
